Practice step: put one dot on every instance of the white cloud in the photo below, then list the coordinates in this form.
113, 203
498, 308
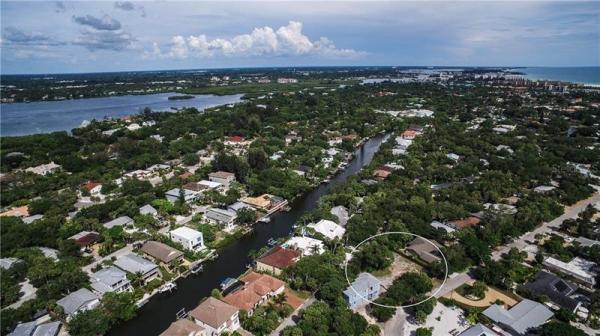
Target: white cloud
287, 40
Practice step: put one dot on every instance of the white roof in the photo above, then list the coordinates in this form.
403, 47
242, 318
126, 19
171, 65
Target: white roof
328, 229
440, 225
186, 233
578, 267
210, 184
305, 244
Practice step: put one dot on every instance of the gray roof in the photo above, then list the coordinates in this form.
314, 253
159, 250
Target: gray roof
121, 221
341, 212
525, 315
48, 329
133, 263
49, 252
104, 279
363, 282
586, 242
558, 290
148, 210
237, 206
7, 263
478, 330
24, 329
31, 219
74, 301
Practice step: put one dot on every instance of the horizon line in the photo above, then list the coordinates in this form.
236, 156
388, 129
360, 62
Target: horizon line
304, 67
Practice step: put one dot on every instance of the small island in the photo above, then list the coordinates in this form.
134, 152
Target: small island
181, 97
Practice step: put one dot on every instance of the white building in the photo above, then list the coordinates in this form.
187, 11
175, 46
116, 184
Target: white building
306, 245
222, 177
190, 239
110, 279
328, 228
44, 169
578, 268
189, 196
222, 217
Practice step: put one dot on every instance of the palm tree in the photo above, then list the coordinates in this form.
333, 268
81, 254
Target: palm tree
280, 299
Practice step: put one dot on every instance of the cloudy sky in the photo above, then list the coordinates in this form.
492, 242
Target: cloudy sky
69, 36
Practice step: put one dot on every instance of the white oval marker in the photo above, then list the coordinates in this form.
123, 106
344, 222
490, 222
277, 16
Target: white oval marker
406, 233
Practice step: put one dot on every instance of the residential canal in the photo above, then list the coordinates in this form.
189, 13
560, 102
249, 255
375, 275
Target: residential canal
156, 315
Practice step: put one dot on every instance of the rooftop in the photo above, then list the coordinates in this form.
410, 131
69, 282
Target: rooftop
120, 221
183, 327
557, 289
279, 257
327, 228
362, 284
74, 301
523, 316
213, 312
160, 251
133, 263
187, 233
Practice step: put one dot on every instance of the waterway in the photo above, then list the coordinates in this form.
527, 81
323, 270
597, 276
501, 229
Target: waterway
155, 316
64, 115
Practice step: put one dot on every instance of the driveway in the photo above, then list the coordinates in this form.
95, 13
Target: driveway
291, 320
125, 250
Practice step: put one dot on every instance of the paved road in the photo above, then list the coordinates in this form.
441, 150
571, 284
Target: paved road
29, 293
291, 320
570, 212
453, 282
395, 325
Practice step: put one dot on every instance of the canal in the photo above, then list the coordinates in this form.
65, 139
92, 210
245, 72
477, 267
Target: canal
156, 315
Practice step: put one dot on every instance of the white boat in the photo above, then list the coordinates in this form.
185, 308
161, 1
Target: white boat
195, 269
265, 219
168, 287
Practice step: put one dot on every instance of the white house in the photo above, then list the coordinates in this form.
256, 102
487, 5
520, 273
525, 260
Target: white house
110, 279
222, 177
578, 268
134, 264
189, 238
78, 301
306, 245
188, 195
221, 217
44, 169
328, 228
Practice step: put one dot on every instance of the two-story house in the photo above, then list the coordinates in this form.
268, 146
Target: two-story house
216, 317
363, 289
110, 279
190, 239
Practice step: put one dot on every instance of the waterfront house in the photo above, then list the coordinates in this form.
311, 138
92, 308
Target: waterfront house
257, 289
134, 264
328, 229
276, 260
110, 279
237, 206
123, 221
582, 270
165, 255
265, 202
216, 317
363, 289
80, 300
184, 327
305, 245
190, 239
33, 329
223, 217
222, 177
521, 318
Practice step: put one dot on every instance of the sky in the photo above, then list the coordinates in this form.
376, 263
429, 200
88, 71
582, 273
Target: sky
103, 36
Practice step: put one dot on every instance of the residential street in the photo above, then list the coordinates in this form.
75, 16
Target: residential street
570, 212
125, 250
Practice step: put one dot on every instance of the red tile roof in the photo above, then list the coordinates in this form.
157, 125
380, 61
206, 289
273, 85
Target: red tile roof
466, 222
279, 257
91, 185
256, 287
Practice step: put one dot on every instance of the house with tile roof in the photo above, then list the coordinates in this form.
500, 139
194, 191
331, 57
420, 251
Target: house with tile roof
257, 289
184, 327
276, 260
216, 317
